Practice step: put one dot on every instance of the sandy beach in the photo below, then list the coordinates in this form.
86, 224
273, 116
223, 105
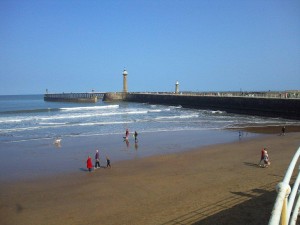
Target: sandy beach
216, 184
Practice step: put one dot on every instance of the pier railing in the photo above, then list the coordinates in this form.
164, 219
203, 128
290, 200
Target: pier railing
286, 209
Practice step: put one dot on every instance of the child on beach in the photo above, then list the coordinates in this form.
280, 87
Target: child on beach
97, 159
135, 136
108, 162
89, 164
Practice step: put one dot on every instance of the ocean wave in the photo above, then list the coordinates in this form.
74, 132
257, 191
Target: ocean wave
90, 115
159, 110
4, 120
41, 110
21, 129
90, 108
104, 123
52, 123
69, 116
60, 125
25, 111
155, 110
177, 117
218, 112
213, 112
28, 139
176, 107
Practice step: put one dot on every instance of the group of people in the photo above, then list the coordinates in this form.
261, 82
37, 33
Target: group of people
264, 158
126, 138
89, 163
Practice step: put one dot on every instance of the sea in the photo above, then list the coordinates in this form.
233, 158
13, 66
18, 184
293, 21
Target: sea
29, 118
29, 127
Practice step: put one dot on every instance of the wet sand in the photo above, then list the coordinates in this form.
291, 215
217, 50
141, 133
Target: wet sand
41, 158
271, 129
216, 184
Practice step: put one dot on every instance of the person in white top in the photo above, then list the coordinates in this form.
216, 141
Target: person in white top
266, 159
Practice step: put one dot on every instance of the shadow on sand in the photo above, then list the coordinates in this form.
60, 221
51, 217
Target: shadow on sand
248, 208
251, 164
84, 169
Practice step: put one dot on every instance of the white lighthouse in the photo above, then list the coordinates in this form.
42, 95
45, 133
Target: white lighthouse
125, 89
176, 87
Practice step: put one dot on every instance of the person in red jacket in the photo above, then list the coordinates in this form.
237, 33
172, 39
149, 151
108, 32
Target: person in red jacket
89, 164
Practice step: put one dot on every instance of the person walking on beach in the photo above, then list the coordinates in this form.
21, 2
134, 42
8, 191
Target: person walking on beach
89, 164
108, 162
283, 130
127, 134
135, 136
262, 156
97, 159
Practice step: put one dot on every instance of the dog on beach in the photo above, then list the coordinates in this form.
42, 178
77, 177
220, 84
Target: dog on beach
57, 142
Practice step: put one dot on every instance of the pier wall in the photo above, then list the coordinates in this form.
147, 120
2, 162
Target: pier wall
271, 107
73, 97
114, 96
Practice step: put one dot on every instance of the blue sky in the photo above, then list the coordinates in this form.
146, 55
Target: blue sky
77, 46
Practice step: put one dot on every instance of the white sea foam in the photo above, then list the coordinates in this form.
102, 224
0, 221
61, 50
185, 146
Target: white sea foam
65, 125
52, 123
90, 108
137, 112
177, 117
176, 107
30, 139
19, 129
87, 115
70, 113
104, 123
217, 112
159, 110
155, 110
10, 120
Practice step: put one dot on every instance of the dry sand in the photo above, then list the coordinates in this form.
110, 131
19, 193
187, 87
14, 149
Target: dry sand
219, 184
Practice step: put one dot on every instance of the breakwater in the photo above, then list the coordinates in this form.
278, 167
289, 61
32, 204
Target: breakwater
252, 105
73, 97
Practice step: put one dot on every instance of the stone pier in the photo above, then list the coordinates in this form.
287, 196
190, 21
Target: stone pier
74, 97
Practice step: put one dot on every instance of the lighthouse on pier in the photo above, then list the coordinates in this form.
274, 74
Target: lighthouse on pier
125, 89
176, 87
